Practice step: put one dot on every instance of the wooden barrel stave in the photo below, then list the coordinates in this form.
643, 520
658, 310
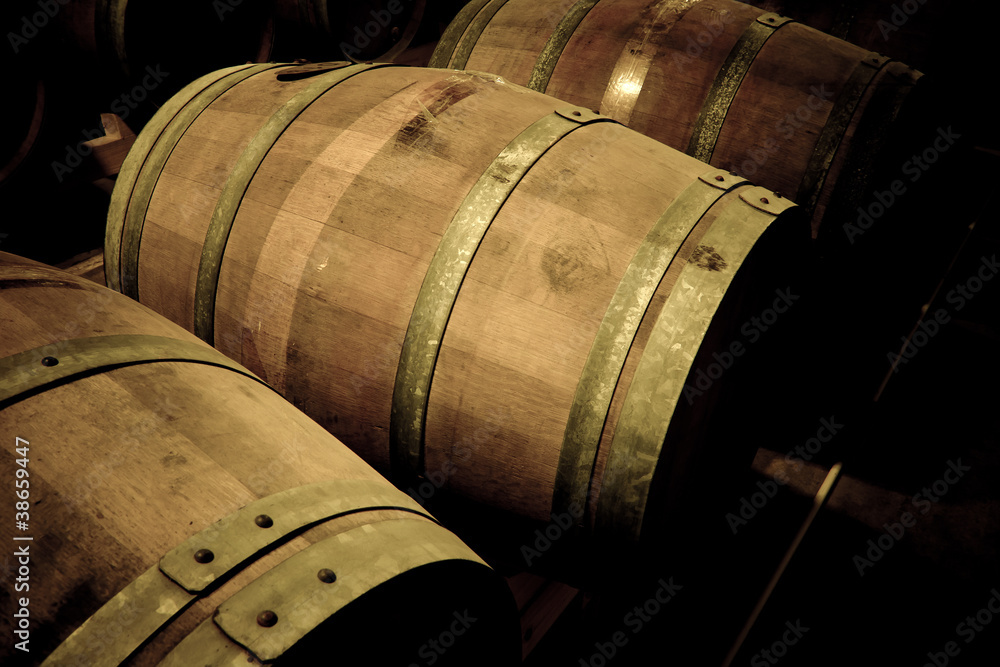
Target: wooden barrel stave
415, 219
880, 25
557, 272
359, 192
99, 508
186, 444
656, 67
685, 435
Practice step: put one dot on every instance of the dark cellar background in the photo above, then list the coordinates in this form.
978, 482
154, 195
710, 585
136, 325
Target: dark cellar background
940, 407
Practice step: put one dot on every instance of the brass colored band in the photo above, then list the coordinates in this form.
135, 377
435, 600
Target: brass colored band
207, 646
301, 601
161, 141
445, 48
129, 173
238, 537
446, 272
666, 362
599, 378
33, 369
833, 131
558, 40
474, 32
237, 185
727, 84
764, 200
137, 613
154, 599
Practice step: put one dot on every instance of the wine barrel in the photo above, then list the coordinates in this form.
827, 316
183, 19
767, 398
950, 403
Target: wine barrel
150, 49
476, 286
183, 38
170, 506
362, 31
26, 109
753, 92
26, 104
913, 31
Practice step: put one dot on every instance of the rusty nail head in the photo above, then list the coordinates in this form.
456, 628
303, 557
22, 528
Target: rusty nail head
267, 619
720, 178
763, 200
326, 575
204, 556
577, 113
263, 520
49, 361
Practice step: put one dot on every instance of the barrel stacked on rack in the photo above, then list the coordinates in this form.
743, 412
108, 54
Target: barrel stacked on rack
24, 105
173, 506
489, 292
362, 31
191, 37
181, 37
476, 285
27, 111
69, 64
798, 111
916, 32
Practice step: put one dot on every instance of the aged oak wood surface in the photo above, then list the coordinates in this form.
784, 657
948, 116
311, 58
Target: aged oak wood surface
128, 460
486, 367
775, 101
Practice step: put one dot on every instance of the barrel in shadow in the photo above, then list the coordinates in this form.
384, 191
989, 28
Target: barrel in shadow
26, 108
476, 286
362, 31
170, 506
917, 32
188, 38
184, 39
798, 111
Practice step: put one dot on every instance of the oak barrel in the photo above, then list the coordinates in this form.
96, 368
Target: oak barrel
187, 38
362, 31
170, 506
917, 32
800, 112
182, 39
25, 113
476, 286
26, 102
